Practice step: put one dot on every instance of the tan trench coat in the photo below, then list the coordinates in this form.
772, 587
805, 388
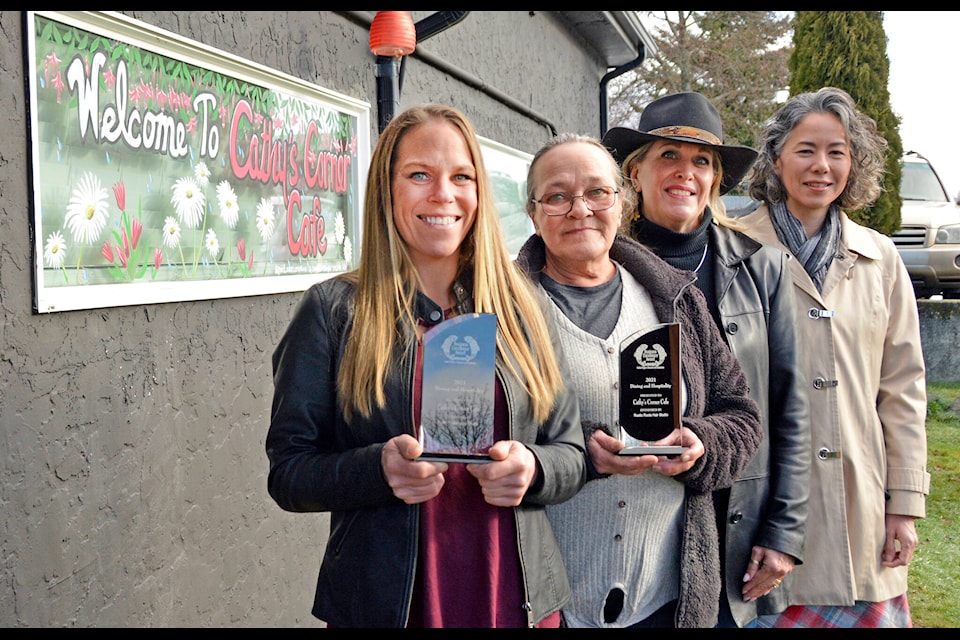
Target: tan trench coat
868, 408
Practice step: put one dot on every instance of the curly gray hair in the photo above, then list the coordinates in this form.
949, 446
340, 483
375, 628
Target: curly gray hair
867, 148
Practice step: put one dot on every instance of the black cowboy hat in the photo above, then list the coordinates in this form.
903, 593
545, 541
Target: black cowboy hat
685, 117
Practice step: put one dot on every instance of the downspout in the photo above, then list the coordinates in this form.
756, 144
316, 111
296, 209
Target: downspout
388, 91
622, 69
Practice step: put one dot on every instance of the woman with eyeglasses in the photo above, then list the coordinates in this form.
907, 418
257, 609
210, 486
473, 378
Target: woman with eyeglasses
640, 539
678, 165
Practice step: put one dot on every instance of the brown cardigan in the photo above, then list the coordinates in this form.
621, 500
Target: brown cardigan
720, 411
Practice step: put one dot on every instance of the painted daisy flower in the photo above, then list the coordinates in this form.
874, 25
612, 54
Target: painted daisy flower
189, 201
347, 250
171, 232
227, 199
87, 210
202, 174
55, 251
212, 244
339, 229
265, 219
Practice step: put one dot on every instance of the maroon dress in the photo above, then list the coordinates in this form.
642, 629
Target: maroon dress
468, 567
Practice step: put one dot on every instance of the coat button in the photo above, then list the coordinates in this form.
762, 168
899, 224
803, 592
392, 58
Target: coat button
733, 328
435, 315
827, 454
736, 517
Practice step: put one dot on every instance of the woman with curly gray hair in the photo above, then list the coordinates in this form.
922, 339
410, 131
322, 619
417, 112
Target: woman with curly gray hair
860, 332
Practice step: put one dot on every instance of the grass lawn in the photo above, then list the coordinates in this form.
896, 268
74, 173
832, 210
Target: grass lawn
934, 577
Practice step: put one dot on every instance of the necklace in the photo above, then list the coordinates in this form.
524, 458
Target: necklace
703, 258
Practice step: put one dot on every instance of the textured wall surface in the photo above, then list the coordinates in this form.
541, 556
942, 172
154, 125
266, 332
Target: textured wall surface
940, 338
132, 469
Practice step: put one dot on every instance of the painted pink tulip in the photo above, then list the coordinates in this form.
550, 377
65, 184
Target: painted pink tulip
120, 192
107, 251
136, 228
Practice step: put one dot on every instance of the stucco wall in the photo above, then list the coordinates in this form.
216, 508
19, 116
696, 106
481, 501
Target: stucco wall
132, 470
940, 338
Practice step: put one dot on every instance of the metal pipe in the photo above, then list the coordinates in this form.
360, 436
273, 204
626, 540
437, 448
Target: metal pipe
389, 70
431, 26
388, 91
363, 18
478, 84
633, 64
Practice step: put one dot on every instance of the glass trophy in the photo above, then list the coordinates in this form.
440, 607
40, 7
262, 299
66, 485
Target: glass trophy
457, 397
650, 390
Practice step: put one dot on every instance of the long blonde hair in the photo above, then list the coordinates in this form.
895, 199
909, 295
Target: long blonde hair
387, 284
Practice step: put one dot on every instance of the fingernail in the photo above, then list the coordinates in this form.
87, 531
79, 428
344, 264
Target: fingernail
746, 577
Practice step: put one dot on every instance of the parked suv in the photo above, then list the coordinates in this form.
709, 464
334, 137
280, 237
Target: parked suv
929, 235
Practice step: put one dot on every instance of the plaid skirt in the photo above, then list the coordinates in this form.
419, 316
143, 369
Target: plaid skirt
893, 613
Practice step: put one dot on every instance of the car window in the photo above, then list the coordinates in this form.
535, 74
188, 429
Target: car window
919, 182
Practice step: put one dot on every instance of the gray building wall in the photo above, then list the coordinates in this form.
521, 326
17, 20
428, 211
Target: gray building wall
132, 467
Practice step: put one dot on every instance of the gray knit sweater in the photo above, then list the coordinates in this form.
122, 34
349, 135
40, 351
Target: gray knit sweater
640, 517
719, 410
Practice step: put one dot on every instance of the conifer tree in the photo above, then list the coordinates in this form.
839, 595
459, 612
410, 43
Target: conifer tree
848, 49
737, 59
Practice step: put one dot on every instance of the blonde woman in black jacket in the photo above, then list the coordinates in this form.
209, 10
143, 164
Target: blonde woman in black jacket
409, 538
678, 165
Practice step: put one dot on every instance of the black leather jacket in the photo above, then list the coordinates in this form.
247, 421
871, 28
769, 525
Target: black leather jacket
320, 463
768, 503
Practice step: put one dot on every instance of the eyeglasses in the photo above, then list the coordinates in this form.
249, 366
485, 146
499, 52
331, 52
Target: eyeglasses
560, 203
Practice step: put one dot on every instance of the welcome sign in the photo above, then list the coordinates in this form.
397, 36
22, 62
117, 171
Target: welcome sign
165, 170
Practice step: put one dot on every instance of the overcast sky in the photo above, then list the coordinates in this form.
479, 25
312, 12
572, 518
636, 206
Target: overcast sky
925, 86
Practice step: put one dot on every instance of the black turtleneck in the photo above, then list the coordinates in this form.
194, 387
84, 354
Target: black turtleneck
682, 250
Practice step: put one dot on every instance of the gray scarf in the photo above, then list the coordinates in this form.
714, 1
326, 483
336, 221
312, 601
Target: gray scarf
816, 253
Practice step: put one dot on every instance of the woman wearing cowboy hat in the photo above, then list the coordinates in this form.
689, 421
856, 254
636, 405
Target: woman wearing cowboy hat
678, 165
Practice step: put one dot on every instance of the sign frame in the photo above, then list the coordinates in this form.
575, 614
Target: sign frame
133, 132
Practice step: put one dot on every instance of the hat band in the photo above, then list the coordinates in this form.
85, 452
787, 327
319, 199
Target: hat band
686, 132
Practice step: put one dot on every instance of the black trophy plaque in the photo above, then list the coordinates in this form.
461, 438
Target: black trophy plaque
650, 388
457, 396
